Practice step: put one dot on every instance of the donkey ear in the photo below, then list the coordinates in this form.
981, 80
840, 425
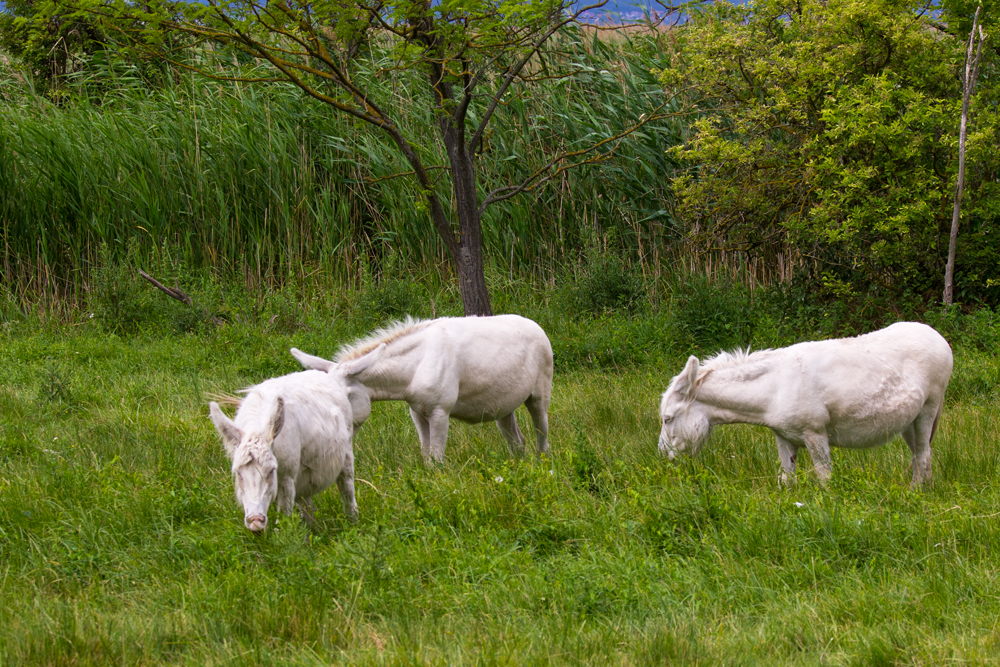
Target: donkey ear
231, 435
278, 418
357, 366
686, 381
310, 362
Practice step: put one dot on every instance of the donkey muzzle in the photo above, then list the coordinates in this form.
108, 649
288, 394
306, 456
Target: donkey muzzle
256, 523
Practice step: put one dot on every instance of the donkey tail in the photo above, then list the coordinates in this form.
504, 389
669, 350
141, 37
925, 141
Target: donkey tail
937, 418
224, 399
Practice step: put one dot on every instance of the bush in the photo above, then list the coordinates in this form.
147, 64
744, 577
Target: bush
979, 330
390, 300
711, 316
115, 296
122, 303
607, 284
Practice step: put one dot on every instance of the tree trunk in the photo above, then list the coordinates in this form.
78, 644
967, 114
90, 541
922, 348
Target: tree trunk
465, 247
469, 258
971, 72
472, 281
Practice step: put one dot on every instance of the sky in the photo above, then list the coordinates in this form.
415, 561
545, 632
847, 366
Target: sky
627, 9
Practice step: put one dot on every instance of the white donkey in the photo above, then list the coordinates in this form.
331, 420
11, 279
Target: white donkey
474, 369
851, 392
291, 439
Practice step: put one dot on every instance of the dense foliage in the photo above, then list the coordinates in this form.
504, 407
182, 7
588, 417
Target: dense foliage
829, 138
48, 49
464, 61
264, 184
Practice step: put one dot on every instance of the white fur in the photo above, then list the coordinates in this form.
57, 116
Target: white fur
290, 440
474, 369
851, 392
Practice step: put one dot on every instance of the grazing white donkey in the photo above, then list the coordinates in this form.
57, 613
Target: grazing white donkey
290, 440
474, 369
851, 392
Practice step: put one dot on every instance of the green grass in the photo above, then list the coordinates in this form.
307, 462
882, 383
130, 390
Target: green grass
121, 542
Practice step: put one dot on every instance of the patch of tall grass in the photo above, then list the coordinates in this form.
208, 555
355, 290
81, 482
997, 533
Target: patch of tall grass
261, 184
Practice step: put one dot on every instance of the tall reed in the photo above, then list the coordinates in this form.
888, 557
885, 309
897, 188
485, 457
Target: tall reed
262, 184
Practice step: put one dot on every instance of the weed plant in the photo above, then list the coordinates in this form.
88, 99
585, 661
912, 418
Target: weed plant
121, 541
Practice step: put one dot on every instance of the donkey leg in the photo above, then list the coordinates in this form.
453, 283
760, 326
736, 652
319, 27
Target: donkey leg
918, 436
345, 484
787, 452
424, 433
818, 445
438, 423
285, 499
512, 434
539, 411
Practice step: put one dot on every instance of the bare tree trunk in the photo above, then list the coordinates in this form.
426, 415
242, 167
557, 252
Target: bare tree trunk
465, 247
971, 72
469, 259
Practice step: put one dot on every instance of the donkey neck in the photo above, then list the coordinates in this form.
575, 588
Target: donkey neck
738, 394
389, 377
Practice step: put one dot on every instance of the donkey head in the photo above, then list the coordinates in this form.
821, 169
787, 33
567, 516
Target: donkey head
685, 426
357, 393
255, 469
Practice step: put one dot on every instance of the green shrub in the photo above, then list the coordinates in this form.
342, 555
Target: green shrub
122, 302
979, 330
607, 284
390, 300
115, 297
712, 316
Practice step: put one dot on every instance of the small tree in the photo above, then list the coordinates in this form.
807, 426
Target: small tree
968, 85
472, 56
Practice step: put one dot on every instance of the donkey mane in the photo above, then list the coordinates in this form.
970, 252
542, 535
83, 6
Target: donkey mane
393, 331
739, 359
725, 359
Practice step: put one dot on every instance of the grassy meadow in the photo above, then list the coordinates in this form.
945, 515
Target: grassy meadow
121, 541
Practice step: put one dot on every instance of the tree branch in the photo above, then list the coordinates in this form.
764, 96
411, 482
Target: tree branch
512, 73
172, 292
540, 176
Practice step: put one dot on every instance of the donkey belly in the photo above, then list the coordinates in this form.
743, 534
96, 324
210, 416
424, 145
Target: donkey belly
319, 468
872, 432
876, 415
488, 408
861, 440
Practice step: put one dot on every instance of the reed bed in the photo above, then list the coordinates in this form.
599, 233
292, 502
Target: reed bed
260, 184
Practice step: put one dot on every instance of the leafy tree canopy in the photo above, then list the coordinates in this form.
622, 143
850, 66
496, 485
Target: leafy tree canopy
47, 44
